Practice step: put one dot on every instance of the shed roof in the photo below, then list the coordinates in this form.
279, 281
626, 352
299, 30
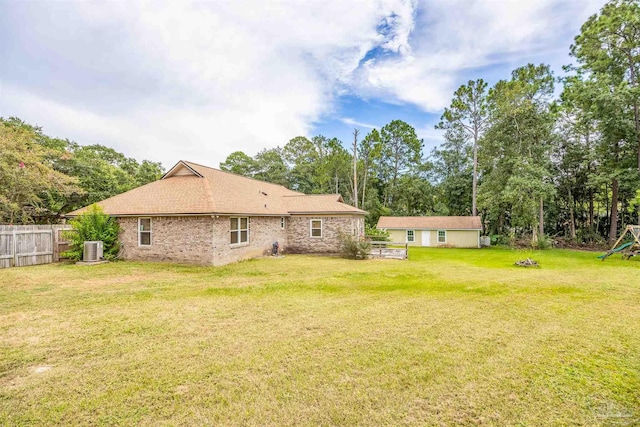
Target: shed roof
431, 222
190, 188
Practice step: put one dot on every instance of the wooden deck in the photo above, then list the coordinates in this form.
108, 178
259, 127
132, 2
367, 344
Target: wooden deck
389, 250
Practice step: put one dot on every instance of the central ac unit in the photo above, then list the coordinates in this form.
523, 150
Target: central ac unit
92, 251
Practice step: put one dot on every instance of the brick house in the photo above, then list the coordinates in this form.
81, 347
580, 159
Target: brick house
196, 214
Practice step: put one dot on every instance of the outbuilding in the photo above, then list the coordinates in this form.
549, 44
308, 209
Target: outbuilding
434, 231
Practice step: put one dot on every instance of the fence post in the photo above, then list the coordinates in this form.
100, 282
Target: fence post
15, 246
54, 244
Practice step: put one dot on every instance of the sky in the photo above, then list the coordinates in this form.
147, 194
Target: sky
169, 81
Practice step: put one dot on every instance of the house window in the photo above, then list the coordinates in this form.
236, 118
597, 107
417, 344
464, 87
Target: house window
316, 228
239, 229
411, 236
282, 223
144, 231
442, 236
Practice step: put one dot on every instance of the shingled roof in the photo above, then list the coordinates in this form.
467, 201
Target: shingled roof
192, 189
431, 222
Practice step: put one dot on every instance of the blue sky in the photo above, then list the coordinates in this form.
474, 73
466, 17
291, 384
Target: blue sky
198, 80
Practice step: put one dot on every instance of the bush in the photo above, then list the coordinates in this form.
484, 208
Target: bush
544, 242
586, 236
376, 234
92, 225
500, 240
354, 247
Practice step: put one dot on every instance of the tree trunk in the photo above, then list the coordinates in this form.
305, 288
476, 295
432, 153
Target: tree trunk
623, 209
636, 110
396, 171
355, 167
541, 219
607, 207
613, 226
364, 184
474, 196
572, 219
591, 213
636, 115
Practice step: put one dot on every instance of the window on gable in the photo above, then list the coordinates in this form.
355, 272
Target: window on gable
442, 236
239, 230
144, 231
316, 228
411, 236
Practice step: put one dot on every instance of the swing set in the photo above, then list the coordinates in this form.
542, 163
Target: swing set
628, 249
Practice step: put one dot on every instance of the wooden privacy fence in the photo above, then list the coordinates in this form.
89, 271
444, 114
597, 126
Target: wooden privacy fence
22, 245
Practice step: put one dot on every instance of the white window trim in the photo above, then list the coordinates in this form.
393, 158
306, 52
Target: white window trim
438, 237
240, 230
282, 223
311, 229
150, 232
407, 236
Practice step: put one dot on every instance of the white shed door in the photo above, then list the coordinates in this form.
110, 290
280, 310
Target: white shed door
426, 238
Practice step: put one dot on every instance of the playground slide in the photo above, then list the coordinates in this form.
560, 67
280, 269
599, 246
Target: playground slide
613, 251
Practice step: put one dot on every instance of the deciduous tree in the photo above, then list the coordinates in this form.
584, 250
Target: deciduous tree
27, 179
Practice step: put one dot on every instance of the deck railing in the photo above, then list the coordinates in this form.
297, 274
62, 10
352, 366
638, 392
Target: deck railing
389, 250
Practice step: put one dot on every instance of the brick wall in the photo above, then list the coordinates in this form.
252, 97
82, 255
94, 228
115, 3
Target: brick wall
299, 232
206, 240
185, 239
263, 231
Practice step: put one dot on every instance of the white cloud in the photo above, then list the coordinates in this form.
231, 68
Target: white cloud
222, 76
166, 81
398, 23
157, 133
351, 122
454, 36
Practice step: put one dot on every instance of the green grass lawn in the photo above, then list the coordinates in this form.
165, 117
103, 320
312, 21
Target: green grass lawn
449, 337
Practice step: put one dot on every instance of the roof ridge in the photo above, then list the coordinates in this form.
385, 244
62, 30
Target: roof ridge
207, 186
240, 176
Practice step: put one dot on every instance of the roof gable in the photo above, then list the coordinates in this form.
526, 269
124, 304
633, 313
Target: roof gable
181, 169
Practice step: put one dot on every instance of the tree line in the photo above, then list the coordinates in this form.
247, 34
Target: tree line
532, 163
42, 178
536, 155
